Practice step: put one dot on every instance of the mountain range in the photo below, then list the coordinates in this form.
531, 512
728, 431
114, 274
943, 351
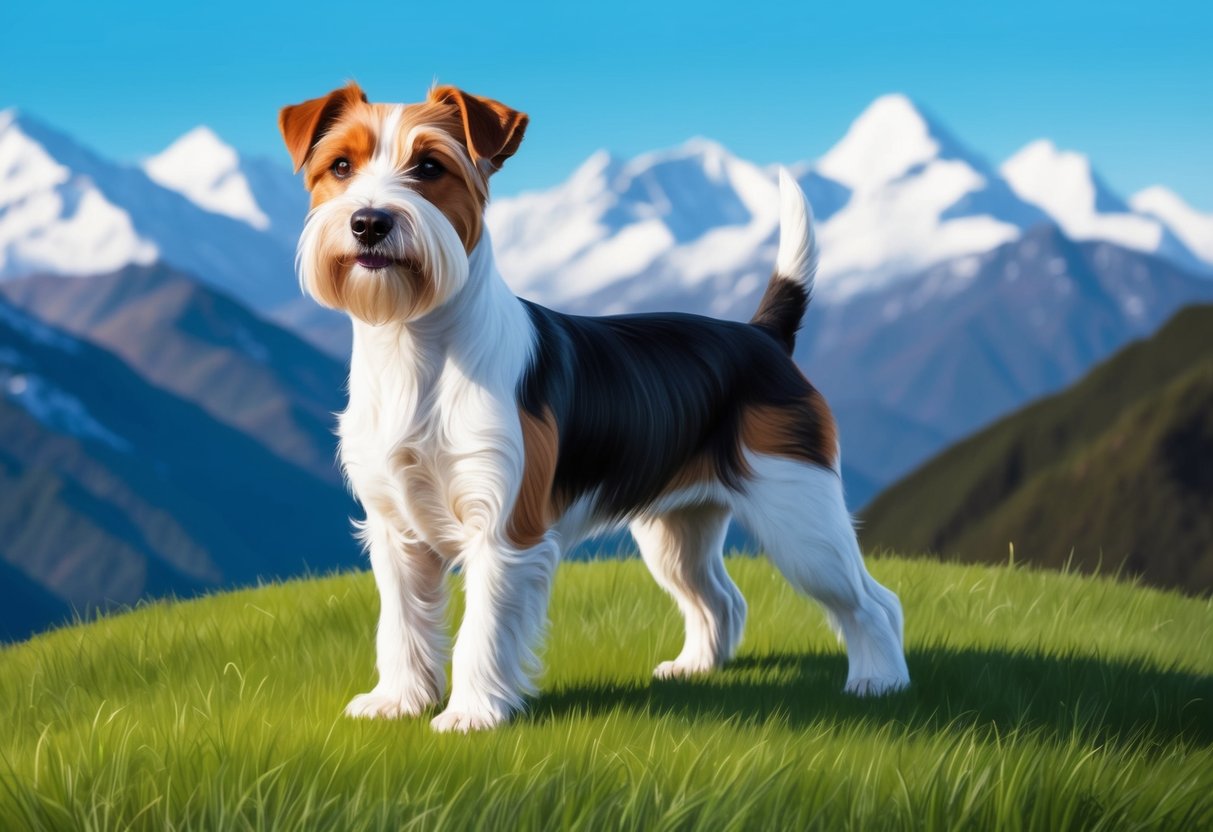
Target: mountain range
206, 347
951, 292
1114, 472
116, 489
66, 210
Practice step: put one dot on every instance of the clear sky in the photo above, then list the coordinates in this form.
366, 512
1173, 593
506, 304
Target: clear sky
1129, 84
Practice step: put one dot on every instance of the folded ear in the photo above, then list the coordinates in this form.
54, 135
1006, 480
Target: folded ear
493, 130
302, 125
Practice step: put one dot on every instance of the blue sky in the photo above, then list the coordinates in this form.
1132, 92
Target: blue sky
1130, 84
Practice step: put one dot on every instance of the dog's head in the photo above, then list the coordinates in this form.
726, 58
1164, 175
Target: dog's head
398, 195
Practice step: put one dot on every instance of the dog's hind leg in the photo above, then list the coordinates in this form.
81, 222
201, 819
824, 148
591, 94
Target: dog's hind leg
684, 551
797, 511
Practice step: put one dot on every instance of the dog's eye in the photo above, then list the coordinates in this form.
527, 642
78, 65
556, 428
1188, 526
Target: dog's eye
429, 169
342, 168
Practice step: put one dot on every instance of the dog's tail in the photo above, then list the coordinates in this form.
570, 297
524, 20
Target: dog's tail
791, 288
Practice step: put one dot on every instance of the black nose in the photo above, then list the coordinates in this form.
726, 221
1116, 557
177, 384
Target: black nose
370, 225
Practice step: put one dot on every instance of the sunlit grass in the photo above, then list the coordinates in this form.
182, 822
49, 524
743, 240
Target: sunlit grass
1040, 701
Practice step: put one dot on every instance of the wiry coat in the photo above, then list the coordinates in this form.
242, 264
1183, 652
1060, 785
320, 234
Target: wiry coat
487, 432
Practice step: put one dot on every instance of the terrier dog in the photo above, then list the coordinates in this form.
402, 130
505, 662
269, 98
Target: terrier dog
486, 432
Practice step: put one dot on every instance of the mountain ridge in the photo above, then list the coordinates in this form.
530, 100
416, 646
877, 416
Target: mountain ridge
1111, 471
205, 346
116, 489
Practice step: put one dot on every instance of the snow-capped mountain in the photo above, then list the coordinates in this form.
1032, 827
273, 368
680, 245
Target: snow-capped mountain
697, 225
211, 173
694, 221
202, 168
1063, 184
1194, 229
65, 210
918, 197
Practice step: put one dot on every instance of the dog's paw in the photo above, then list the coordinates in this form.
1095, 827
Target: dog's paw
377, 705
876, 686
681, 669
464, 722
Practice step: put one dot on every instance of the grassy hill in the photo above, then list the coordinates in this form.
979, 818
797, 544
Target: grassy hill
1040, 701
1116, 470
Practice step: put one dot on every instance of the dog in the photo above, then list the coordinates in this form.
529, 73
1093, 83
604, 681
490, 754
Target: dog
488, 433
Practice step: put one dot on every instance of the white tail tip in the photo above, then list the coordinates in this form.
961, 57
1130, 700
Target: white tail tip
797, 259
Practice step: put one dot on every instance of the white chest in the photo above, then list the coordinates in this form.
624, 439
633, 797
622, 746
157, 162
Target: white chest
431, 441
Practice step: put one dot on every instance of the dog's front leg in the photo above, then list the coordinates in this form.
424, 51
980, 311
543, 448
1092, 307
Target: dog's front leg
411, 642
507, 593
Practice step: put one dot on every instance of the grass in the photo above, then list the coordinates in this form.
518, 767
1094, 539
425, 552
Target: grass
1040, 701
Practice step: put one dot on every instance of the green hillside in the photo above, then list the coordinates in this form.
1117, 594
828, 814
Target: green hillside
1115, 471
1040, 701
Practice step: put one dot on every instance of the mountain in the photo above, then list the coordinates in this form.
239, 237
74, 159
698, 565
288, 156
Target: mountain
325, 329
1113, 470
966, 341
25, 607
918, 197
692, 228
212, 174
1064, 185
695, 228
1194, 229
115, 490
65, 210
205, 347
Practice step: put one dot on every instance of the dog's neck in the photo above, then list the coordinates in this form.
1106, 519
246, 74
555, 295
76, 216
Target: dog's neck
482, 334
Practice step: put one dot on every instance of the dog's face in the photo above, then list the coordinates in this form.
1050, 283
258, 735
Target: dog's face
398, 195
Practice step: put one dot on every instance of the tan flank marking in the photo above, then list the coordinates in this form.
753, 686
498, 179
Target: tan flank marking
827, 428
534, 511
803, 430
698, 470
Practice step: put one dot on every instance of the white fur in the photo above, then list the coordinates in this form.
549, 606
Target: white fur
684, 551
797, 258
432, 445
797, 511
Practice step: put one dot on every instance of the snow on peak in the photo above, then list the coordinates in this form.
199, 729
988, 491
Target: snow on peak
1193, 228
1063, 184
622, 234
1059, 181
202, 146
207, 171
890, 137
53, 214
65, 210
917, 197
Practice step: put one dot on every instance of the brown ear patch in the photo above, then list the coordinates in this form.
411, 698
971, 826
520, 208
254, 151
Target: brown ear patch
492, 130
804, 430
534, 510
302, 125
